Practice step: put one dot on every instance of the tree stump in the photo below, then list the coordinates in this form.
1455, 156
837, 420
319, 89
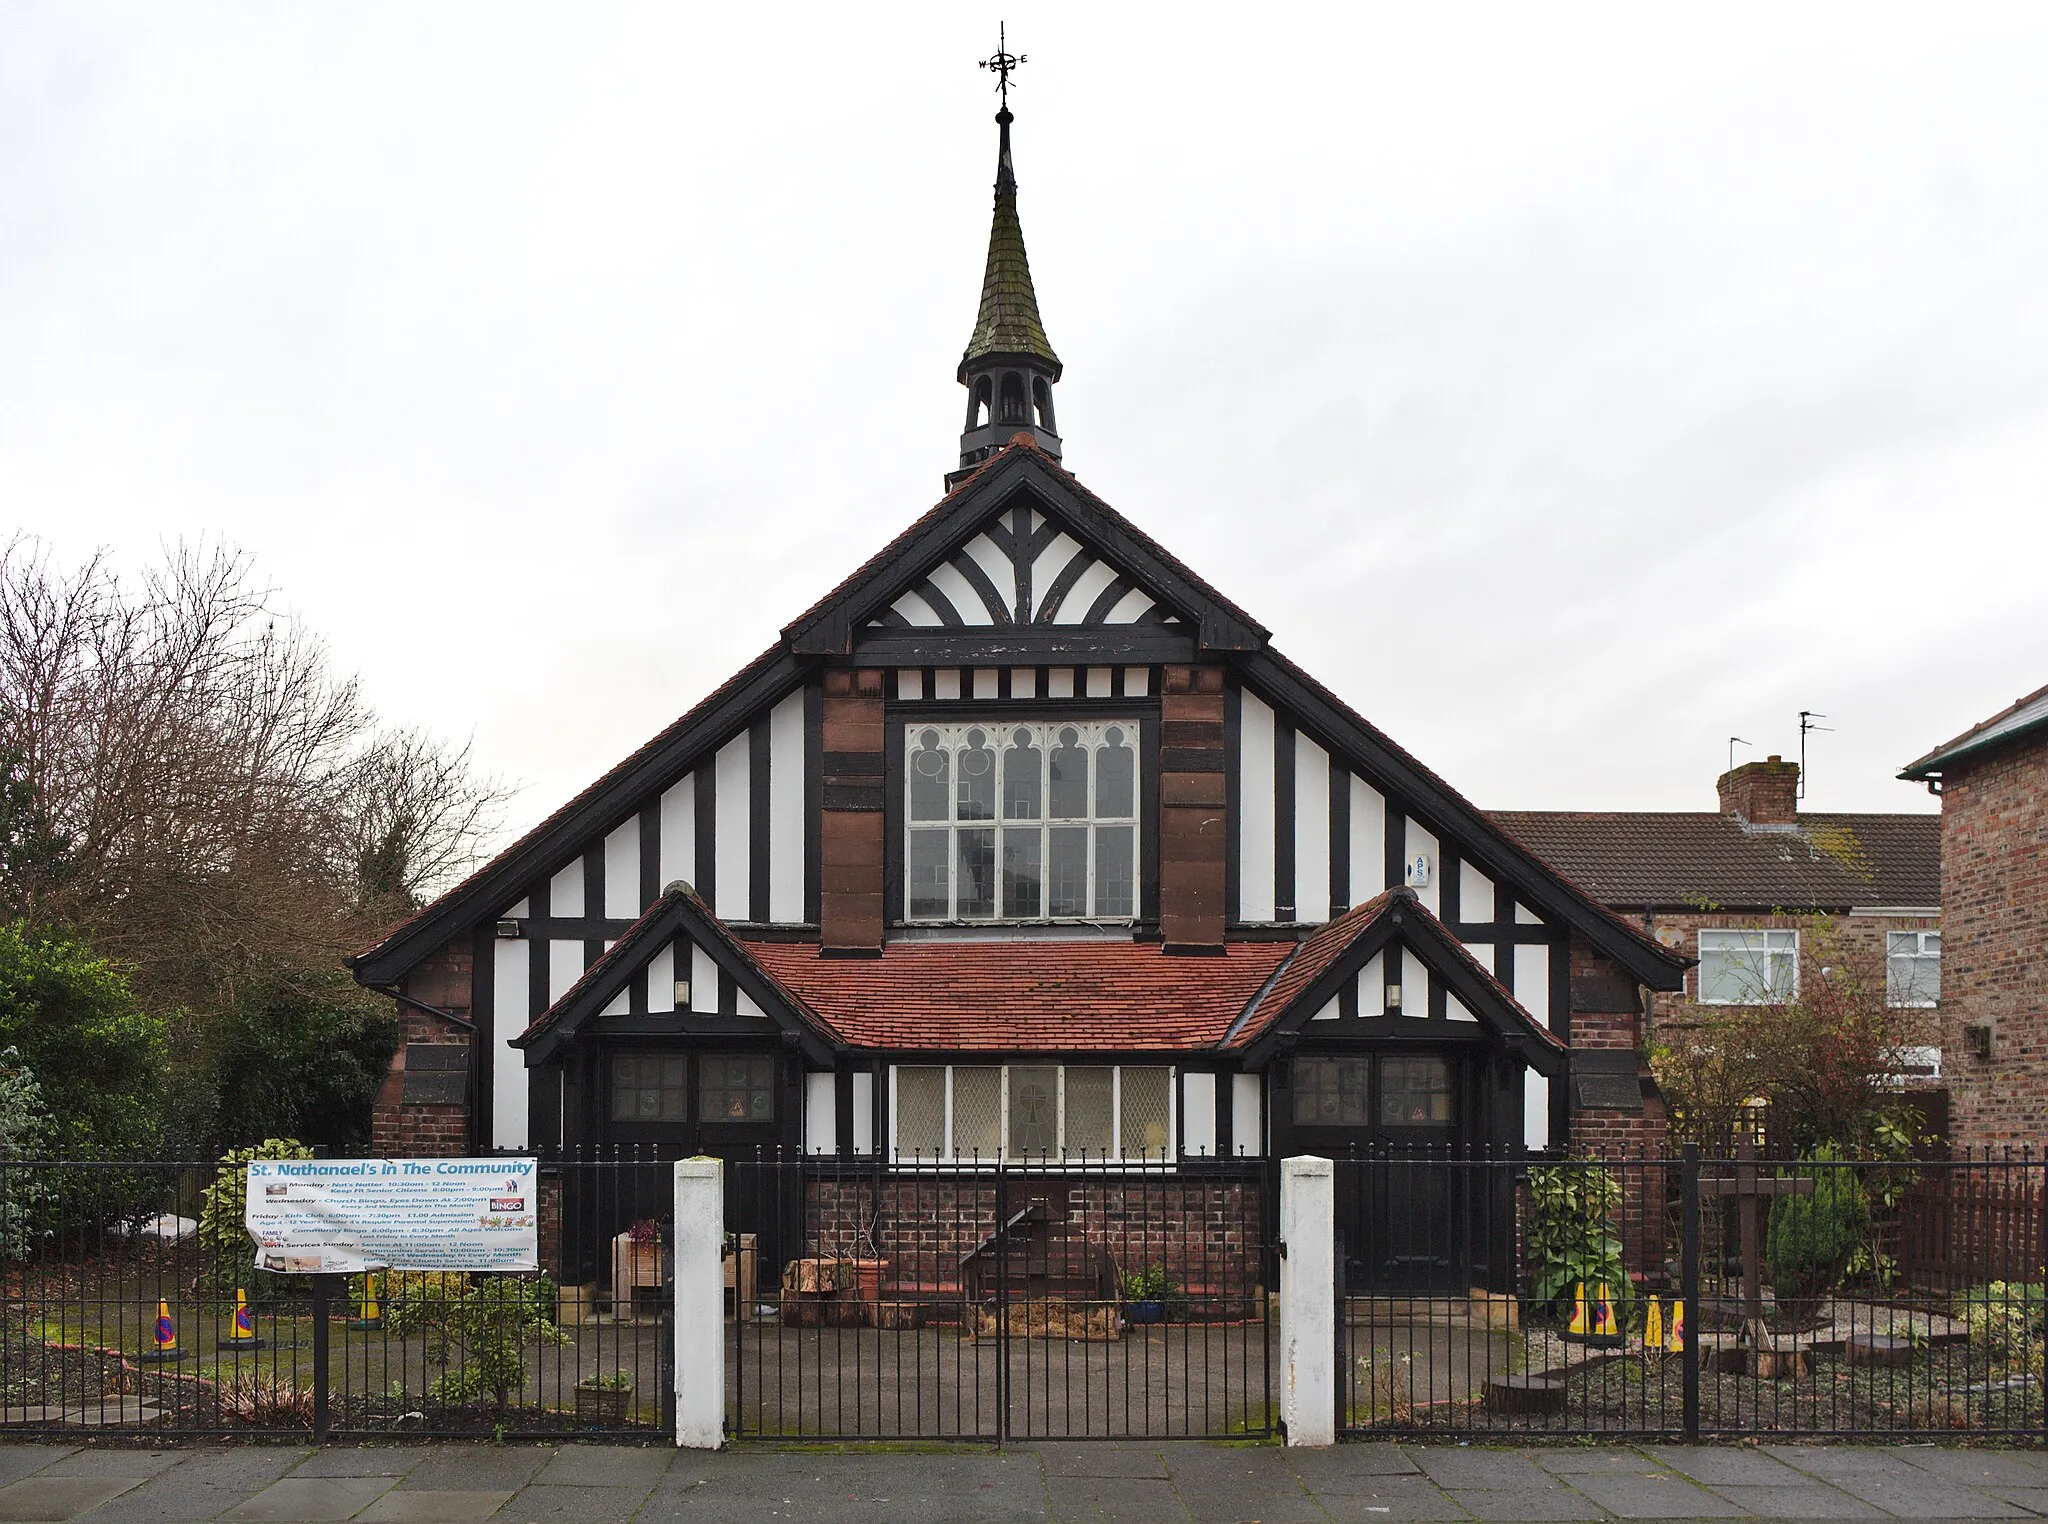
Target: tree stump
1879, 1349
1523, 1394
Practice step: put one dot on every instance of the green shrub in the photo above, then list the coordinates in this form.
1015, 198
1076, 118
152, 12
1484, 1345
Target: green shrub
1571, 1237
482, 1334
223, 1228
1812, 1238
24, 1134
2006, 1322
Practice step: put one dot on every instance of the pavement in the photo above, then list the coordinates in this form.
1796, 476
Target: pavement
1185, 1480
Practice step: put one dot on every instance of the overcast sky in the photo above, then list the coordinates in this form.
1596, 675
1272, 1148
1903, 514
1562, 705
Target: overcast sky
1570, 388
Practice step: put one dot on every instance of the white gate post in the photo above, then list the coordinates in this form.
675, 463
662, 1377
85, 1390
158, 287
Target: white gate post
700, 1303
1308, 1298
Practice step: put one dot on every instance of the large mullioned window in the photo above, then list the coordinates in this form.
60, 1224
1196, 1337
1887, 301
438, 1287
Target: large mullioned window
1032, 1113
1024, 821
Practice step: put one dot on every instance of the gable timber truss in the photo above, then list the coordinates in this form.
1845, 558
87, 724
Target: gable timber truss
841, 628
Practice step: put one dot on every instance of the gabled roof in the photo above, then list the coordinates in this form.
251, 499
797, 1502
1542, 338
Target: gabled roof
1050, 996
677, 912
1653, 860
828, 629
2020, 718
1319, 966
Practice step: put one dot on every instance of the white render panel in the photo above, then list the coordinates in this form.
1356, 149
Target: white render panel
1059, 682
821, 1112
1372, 986
946, 683
1255, 811
1197, 1115
1414, 984
1329, 1012
1247, 1125
1532, 980
1475, 894
661, 981
1100, 681
620, 1004
1086, 589
786, 810
622, 871
735, 816
961, 594
1368, 841
745, 1003
1482, 954
565, 967
679, 834
1050, 563
917, 611
703, 981
863, 1112
510, 1014
910, 682
987, 683
1023, 682
987, 555
1137, 682
1130, 608
1311, 830
1421, 842
1535, 1109
1456, 1009
565, 891
1524, 916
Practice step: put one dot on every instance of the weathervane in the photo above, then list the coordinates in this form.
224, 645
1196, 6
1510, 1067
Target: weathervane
1003, 61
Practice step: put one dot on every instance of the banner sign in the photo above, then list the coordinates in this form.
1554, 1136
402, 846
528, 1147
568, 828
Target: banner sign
339, 1216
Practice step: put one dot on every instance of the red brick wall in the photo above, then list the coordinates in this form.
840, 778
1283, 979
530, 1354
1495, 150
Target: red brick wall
850, 851
402, 1130
1858, 936
1994, 893
1194, 819
1606, 1016
1762, 793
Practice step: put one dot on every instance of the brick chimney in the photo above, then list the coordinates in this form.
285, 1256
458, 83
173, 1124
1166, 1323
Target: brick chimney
1762, 793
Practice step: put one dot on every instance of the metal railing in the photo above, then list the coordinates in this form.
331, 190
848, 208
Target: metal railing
1689, 1297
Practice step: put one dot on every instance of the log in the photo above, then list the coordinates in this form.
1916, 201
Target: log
1879, 1349
1523, 1394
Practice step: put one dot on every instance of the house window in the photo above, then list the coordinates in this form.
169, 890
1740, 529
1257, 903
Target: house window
650, 1088
1033, 1113
1912, 967
1414, 1091
1029, 822
1749, 967
736, 1087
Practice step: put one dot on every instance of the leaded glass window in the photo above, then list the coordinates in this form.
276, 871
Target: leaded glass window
1034, 1113
1021, 821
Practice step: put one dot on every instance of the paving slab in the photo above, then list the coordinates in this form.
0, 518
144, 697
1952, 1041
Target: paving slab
60, 1497
1239, 1505
1978, 1468
2034, 1499
1737, 1465
1419, 1500
1925, 1497
312, 1500
1140, 1500
606, 1466
210, 1482
1830, 1462
1092, 1459
361, 1460
1523, 1503
586, 1505
1340, 1468
476, 1468
1581, 1462
1812, 1501
1479, 1468
19, 1460
423, 1506
136, 1463
1652, 1495
838, 1488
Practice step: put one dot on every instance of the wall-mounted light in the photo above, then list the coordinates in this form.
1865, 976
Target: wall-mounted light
1393, 997
508, 931
682, 994
1979, 1035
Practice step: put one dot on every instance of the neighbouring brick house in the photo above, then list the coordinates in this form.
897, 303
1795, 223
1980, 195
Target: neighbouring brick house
1023, 843
1993, 783
1746, 890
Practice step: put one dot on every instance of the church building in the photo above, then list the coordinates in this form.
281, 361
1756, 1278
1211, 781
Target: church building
1023, 843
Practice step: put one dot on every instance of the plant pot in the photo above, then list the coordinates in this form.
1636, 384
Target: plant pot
603, 1405
1147, 1311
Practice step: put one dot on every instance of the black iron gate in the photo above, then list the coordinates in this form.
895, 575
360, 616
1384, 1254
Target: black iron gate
996, 1302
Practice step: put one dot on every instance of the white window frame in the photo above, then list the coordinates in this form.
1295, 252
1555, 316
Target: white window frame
1118, 1161
1768, 944
1919, 953
953, 734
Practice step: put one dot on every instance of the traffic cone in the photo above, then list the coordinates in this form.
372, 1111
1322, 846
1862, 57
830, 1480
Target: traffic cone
1653, 1325
243, 1336
164, 1348
372, 1314
1603, 1315
1579, 1324
1674, 1340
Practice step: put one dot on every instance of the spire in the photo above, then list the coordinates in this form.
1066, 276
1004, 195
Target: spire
1009, 366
